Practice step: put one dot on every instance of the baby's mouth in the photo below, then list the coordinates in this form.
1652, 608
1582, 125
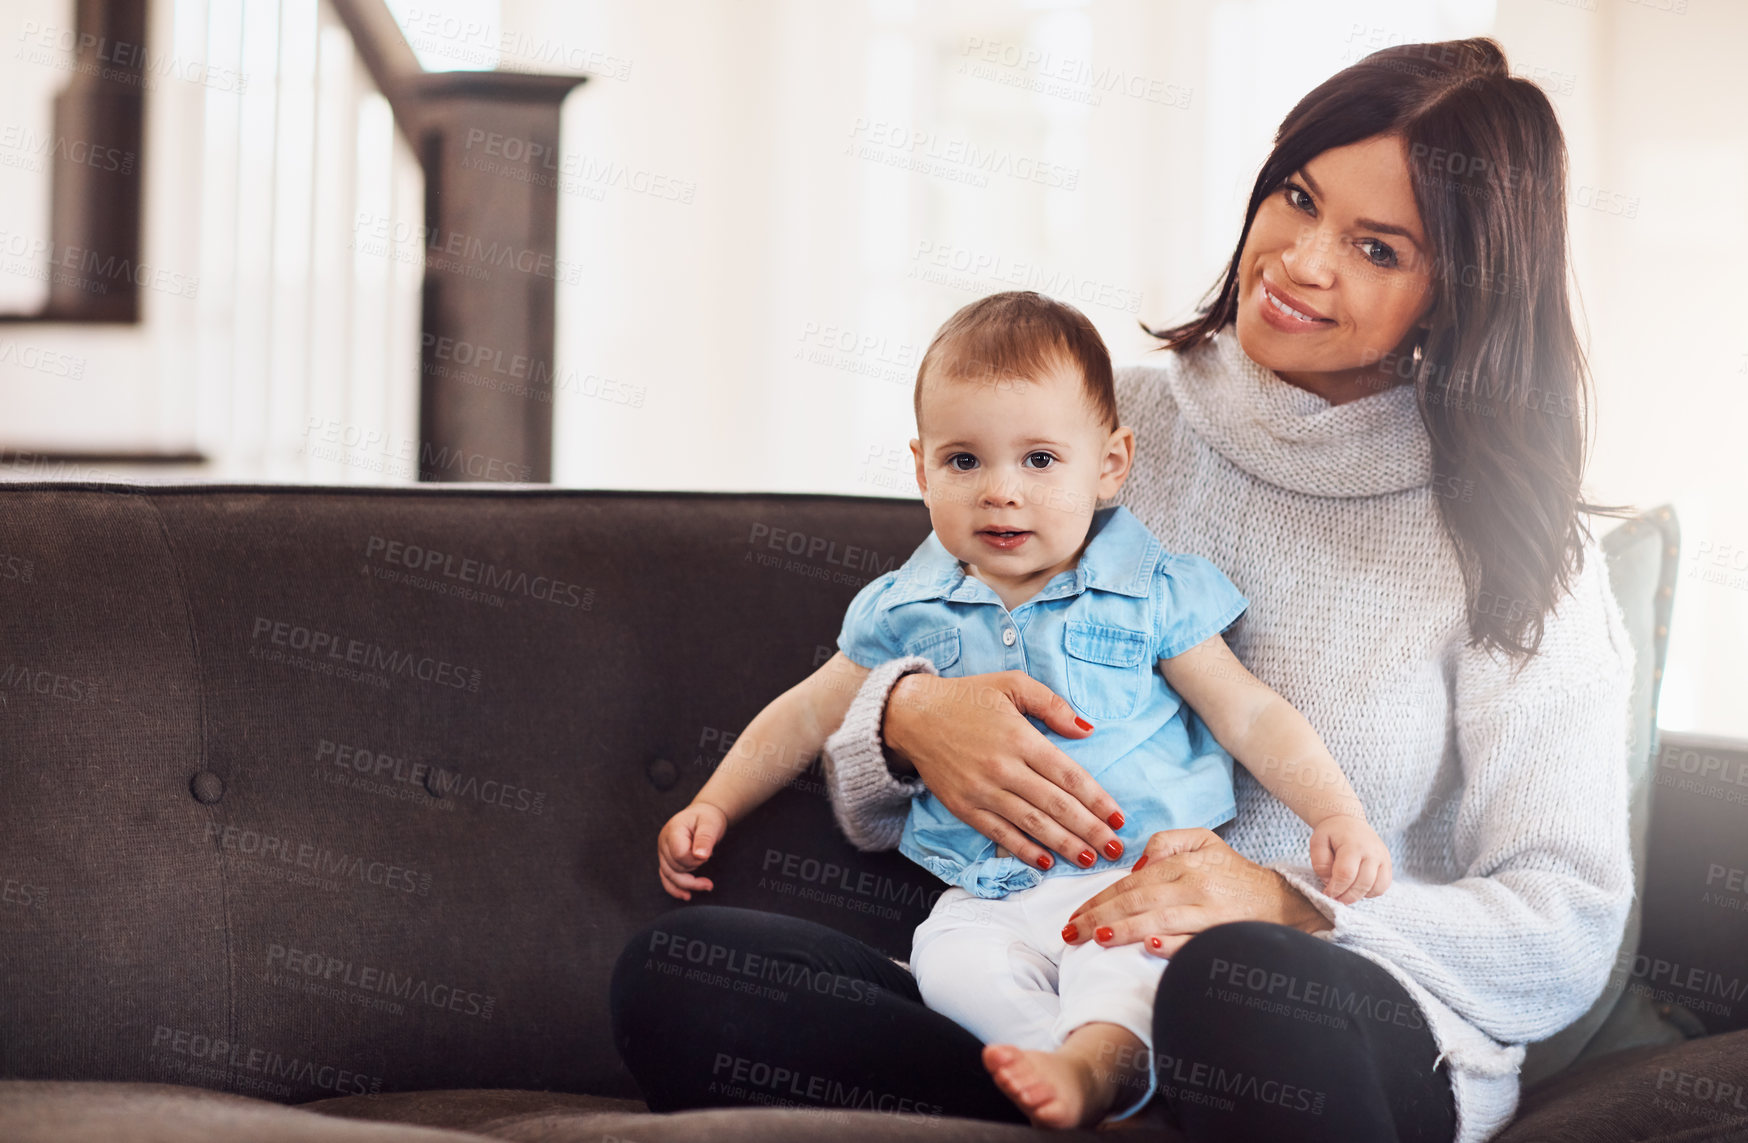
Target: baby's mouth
1003, 538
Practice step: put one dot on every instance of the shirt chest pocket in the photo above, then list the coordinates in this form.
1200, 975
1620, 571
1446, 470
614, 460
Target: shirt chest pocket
1108, 669
940, 647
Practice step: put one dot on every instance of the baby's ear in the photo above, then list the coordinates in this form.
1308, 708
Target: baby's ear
1119, 458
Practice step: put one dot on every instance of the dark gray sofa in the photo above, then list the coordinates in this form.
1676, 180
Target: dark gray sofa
327, 810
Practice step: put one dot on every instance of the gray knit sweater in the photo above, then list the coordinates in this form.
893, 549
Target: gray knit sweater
1503, 799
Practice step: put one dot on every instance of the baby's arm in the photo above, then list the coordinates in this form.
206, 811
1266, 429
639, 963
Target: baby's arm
1277, 745
780, 742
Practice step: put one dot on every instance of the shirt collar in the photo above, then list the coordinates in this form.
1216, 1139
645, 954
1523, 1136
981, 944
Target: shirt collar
1120, 557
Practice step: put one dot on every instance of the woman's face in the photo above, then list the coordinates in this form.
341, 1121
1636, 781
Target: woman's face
1336, 276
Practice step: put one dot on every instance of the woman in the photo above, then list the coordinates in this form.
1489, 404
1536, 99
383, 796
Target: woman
1376, 430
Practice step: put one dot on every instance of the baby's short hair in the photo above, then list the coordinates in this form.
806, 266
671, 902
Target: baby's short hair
1020, 333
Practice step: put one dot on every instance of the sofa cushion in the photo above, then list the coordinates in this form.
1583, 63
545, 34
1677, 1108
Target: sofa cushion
362, 785
480, 1111
1651, 1093
49, 1112
550, 1117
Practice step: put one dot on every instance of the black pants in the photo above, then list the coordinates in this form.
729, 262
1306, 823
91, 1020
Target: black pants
1260, 1032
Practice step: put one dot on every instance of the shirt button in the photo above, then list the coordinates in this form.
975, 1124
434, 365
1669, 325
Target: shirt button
1007, 636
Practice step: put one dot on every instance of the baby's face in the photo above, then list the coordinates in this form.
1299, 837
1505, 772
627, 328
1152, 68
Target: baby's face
1012, 469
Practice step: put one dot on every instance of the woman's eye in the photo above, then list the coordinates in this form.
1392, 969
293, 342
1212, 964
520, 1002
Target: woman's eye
1297, 197
953, 462
1048, 459
1378, 253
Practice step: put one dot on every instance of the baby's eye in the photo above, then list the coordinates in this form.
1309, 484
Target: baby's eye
953, 462
1048, 459
1378, 253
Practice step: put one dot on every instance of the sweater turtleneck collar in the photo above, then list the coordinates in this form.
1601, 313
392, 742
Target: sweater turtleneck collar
1291, 437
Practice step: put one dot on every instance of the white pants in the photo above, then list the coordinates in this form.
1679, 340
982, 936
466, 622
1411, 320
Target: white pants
1001, 970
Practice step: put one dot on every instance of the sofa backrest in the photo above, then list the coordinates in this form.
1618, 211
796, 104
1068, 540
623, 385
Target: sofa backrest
315, 791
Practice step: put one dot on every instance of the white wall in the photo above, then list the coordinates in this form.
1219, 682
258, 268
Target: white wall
791, 296
712, 307
1655, 111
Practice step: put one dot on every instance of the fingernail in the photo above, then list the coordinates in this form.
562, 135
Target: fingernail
1082, 723
1087, 857
1116, 820
1046, 861
1113, 849
1104, 934
1139, 863
1070, 934
1155, 942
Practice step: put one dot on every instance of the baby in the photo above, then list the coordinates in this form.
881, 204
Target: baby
1017, 441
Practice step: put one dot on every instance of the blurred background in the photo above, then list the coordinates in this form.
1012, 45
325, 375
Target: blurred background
736, 235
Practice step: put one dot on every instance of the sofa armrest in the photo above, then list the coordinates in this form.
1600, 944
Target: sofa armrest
1642, 567
1693, 952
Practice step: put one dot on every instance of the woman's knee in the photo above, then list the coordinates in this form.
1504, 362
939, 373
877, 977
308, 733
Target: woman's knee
1253, 998
1233, 953
707, 941
687, 935
682, 938
1240, 957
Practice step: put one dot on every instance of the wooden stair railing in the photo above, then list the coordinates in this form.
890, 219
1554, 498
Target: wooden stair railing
488, 143
488, 147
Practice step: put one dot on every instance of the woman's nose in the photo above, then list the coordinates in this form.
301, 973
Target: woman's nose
1307, 261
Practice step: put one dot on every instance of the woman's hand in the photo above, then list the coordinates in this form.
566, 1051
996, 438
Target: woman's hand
969, 740
1186, 881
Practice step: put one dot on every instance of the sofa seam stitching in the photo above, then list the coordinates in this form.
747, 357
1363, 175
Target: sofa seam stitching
200, 699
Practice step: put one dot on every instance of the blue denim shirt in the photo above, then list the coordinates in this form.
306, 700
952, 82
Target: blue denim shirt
1093, 635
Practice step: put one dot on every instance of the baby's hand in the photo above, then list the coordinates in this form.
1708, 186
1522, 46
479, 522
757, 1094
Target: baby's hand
687, 842
1350, 857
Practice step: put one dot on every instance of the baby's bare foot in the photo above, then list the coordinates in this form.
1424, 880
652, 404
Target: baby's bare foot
1054, 1089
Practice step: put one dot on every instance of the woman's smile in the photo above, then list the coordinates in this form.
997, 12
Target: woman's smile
1286, 312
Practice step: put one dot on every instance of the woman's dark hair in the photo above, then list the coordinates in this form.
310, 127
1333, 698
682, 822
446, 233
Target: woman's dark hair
1502, 382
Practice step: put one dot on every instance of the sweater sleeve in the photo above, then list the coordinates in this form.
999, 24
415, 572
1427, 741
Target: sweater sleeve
1521, 941
869, 802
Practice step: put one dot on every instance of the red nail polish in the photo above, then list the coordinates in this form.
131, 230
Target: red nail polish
1139, 863
1070, 934
1046, 861
1104, 934
1113, 849
1155, 942
1116, 820
1087, 857
1082, 723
